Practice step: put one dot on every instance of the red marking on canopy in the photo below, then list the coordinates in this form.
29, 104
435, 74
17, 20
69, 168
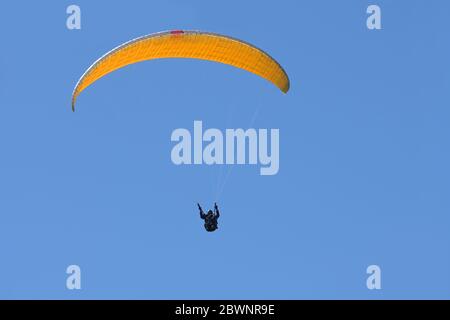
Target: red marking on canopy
176, 32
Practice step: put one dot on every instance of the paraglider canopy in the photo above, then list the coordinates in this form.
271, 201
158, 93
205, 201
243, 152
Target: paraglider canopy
186, 44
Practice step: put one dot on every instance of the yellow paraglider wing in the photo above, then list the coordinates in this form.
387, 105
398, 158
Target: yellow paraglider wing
186, 44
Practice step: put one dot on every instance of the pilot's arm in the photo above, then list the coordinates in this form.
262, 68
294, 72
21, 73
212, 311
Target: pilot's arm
202, 214
216, 209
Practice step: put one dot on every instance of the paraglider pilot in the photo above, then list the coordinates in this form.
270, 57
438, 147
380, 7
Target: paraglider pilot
210, 218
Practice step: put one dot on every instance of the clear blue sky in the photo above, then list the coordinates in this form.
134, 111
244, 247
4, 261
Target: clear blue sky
364, 154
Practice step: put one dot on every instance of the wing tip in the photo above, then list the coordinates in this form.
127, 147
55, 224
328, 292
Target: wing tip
285, 88
73, 104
